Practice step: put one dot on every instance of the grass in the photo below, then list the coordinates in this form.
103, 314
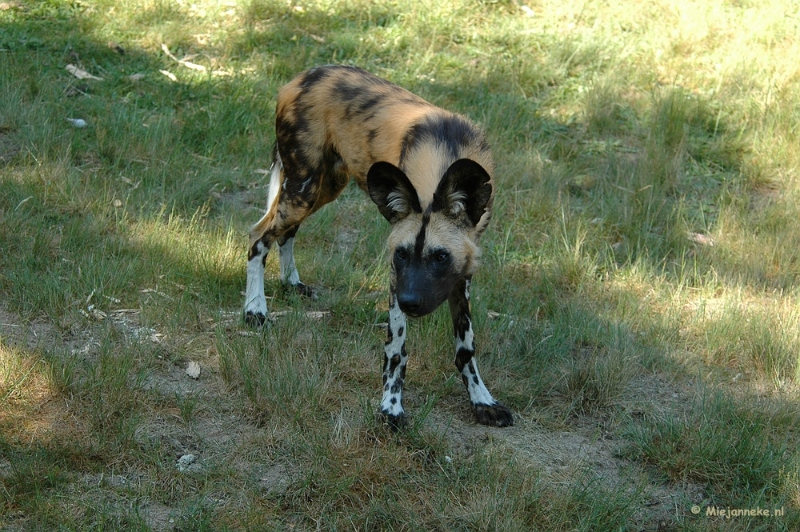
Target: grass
637, 306
740, 457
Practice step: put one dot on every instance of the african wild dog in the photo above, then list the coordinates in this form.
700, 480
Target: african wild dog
429, 172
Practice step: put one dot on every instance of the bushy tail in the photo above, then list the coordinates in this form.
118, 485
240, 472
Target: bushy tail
275, 183
274, 178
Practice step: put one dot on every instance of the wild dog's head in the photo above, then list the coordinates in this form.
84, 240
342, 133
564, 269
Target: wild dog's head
434, 248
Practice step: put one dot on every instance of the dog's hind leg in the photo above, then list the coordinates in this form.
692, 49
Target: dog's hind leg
255, 302
488, 411
285, 211
295, 192
289, 275
331, 182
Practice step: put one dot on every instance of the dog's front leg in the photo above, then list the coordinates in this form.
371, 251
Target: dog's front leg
255, 303
394, 365
487, 410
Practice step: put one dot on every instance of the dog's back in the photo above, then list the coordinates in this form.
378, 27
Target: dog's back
354, 119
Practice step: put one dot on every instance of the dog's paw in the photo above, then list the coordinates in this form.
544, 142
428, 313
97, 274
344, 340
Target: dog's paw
395, 421
494, 415
255, 318
304, 290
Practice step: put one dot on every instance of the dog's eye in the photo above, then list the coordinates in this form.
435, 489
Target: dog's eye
401, 254
441, 256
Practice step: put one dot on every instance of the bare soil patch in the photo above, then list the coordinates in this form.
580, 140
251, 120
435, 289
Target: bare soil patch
584, 447
220, 433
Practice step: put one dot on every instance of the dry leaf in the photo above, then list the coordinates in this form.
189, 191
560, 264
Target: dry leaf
153, 291
311, 314
121, 311
165, 49
23, 202
169, 74
184, 62
193, 66
193, 370
80, 73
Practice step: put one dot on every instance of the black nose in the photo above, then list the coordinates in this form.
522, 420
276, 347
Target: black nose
409, 303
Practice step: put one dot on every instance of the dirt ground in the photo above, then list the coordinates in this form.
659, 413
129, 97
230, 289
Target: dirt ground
582, 446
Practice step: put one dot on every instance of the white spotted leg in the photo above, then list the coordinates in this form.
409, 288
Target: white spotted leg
255, 302
394, 365
488, 411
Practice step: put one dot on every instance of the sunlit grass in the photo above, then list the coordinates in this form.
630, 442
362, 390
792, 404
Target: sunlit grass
23, 379
741, 457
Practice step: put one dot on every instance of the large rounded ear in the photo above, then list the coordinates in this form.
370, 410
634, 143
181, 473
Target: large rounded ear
465, 188
392, 192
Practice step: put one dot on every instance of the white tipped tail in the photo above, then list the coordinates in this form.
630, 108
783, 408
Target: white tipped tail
274, 181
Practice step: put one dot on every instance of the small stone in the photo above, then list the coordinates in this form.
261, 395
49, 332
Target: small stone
185, 462
77, 122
